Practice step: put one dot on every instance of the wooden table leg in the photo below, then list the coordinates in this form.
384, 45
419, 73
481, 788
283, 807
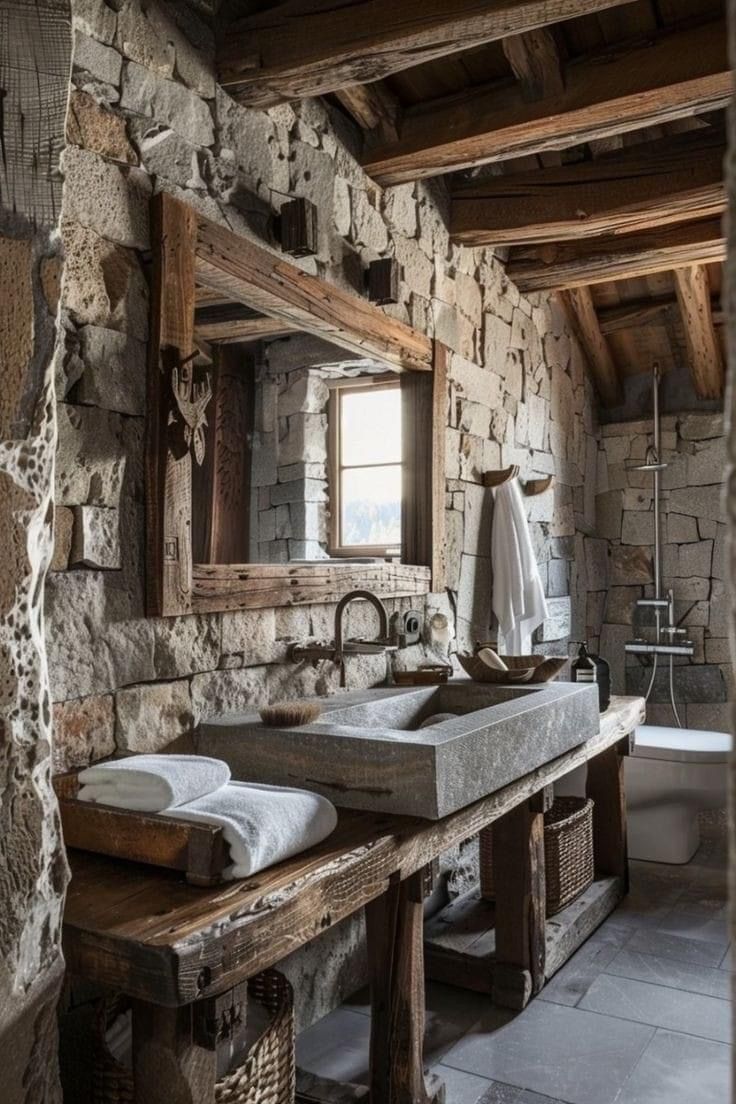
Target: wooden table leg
395, 925
168, 1065
606, 787
518, 872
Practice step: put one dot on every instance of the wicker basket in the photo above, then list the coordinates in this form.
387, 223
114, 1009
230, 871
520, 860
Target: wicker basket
267, 1076
568, 852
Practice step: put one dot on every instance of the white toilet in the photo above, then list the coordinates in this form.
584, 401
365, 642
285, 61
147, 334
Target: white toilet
671, 776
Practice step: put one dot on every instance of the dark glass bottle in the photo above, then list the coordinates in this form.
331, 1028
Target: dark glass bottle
583, 667
603, 678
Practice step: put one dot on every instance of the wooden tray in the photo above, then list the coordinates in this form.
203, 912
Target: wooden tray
423, 676
199, 850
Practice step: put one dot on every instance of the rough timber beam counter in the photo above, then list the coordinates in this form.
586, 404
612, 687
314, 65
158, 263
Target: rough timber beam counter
173, 947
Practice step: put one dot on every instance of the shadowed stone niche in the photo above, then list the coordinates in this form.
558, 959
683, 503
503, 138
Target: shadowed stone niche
33, 75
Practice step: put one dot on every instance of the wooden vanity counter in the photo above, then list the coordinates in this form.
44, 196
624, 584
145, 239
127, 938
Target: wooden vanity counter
167, 945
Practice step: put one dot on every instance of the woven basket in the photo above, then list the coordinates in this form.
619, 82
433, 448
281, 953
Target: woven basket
267, 1076
568, 852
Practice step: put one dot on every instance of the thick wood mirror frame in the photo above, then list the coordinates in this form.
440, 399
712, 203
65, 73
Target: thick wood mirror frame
189, 252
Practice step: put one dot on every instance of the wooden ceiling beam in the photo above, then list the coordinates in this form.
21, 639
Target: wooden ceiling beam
634, 86
578, 304
535, 62
373, 107
703, 347
640, 312
652, 184
304, 48
616, 257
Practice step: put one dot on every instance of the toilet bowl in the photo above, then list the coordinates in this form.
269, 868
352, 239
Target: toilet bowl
671, 776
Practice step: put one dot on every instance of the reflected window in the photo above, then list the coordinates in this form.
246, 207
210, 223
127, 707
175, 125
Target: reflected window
365, 467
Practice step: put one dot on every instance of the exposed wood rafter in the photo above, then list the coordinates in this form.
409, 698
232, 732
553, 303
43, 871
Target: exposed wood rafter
652, 184
639, 85
642, 312
229, 322
703, 347
373, 107
578, 303
300, 48
535, 62
617, 257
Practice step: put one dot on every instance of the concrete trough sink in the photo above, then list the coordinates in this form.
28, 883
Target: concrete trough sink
369, 751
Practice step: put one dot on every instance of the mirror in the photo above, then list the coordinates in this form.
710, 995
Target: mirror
302, 451
295, 432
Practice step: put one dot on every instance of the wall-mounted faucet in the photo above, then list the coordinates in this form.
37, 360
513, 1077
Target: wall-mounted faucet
340, 648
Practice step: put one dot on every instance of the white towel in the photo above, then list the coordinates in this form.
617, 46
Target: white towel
262, 824
151, 783
518, 595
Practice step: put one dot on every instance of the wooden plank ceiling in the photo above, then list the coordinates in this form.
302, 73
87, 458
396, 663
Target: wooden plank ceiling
584, 138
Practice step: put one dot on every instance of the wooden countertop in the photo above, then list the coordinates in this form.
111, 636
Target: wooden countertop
147, 933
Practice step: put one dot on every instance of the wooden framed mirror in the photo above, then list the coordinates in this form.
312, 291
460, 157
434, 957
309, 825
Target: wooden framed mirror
244, 349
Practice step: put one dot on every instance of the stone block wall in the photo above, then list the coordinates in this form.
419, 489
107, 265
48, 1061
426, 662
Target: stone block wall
693, 562
33, 872
290, 515
146, 115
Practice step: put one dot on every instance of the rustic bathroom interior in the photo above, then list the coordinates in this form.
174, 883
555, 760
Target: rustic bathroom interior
366, 685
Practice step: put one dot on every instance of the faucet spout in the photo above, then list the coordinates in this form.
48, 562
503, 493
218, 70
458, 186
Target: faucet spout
345, 601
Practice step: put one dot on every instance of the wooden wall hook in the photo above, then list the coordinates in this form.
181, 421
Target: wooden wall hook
538, 486
498, 477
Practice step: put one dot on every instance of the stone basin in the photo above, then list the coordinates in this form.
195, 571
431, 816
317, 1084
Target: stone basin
369, 751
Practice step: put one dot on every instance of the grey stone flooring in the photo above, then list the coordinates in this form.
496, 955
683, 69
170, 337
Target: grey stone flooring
640, 1015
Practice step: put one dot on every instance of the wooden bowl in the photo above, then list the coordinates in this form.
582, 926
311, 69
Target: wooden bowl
531, 668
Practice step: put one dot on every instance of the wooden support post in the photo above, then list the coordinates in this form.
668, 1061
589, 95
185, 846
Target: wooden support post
518, 871
605, 786
167, 1063
395, 927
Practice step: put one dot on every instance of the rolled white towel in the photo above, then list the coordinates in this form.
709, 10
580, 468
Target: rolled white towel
262, 824
152, 783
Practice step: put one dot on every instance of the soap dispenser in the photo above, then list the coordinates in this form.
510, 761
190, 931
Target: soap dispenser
583, 667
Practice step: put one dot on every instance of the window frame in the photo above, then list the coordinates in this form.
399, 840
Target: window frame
335, 468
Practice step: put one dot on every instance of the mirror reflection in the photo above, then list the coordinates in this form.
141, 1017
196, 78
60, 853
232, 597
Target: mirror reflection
302, 458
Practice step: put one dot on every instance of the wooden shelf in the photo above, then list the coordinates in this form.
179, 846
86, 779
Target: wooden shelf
460, 941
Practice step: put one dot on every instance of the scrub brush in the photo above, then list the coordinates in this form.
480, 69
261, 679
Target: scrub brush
290, 714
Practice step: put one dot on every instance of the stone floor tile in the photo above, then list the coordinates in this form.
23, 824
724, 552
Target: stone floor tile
336, 1047
680, 1069
468, 1088
713, 930
660, 1006
575, 978
570, 1055
708, 980
695, 951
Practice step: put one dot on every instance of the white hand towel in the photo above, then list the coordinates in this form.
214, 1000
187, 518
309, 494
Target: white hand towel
151, 783
518, 595
262, 824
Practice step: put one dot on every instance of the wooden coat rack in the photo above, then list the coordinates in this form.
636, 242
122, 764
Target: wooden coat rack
500, 476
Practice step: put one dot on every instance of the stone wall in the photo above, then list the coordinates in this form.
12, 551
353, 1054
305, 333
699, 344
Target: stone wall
145, 115
34, 79
693, 561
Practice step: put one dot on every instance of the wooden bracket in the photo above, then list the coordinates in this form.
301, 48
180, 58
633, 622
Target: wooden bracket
221, 1018
499, 476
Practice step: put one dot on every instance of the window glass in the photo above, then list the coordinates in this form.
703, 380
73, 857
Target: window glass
371, 426
371, 506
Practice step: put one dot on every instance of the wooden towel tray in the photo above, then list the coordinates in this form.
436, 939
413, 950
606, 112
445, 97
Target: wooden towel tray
199, 850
